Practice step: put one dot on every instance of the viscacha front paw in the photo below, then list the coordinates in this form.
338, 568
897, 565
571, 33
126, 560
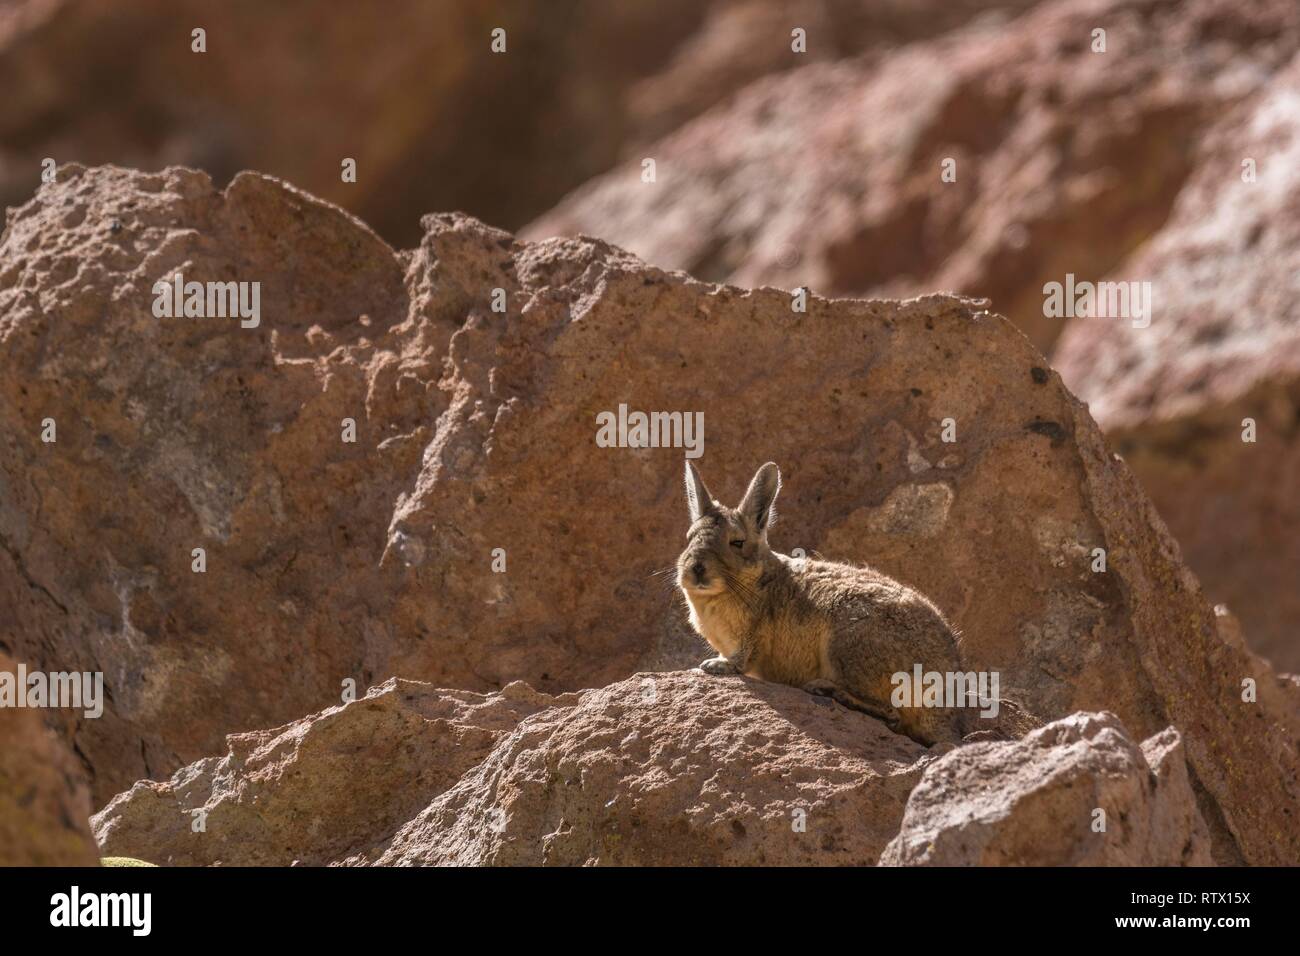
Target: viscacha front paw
717, 665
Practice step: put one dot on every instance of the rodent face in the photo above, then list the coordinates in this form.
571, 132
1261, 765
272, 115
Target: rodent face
726, 548
724, 553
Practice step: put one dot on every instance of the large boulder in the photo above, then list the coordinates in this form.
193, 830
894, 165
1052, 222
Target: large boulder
476, 533
832, 176
1077, 792
1223, 346
44, 800
176, 435
675, 769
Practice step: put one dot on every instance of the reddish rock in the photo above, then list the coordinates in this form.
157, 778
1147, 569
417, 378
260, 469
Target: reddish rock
740, 41
415, 93
323, 788
660, 769
176, 434
830, 176
1223, 346
1036, 802
676, 769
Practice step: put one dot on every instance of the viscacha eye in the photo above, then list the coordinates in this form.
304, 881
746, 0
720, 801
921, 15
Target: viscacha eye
738, 544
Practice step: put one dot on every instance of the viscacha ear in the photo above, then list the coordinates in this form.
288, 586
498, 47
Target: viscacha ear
761, 496
698, 499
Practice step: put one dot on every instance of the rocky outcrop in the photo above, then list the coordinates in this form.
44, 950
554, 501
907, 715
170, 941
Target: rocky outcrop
44, 800
925, 436
1064, 159
661, 769
669, 768
675, 769
1223, 347
1077, 792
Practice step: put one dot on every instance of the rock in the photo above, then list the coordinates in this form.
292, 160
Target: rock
173, 435
329, 562
1222, 347
44, 800
675, 769
414, 94
740, 41
671, 768
1034, 802
320, 789
830, 176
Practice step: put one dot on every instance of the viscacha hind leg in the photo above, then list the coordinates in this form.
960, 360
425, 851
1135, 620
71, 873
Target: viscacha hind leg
826, 688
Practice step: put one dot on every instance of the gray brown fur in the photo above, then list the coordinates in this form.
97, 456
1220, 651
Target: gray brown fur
829, 628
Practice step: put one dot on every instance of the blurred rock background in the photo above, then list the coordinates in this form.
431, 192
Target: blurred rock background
411, 89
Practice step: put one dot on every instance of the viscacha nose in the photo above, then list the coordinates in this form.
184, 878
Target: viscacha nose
697, 569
